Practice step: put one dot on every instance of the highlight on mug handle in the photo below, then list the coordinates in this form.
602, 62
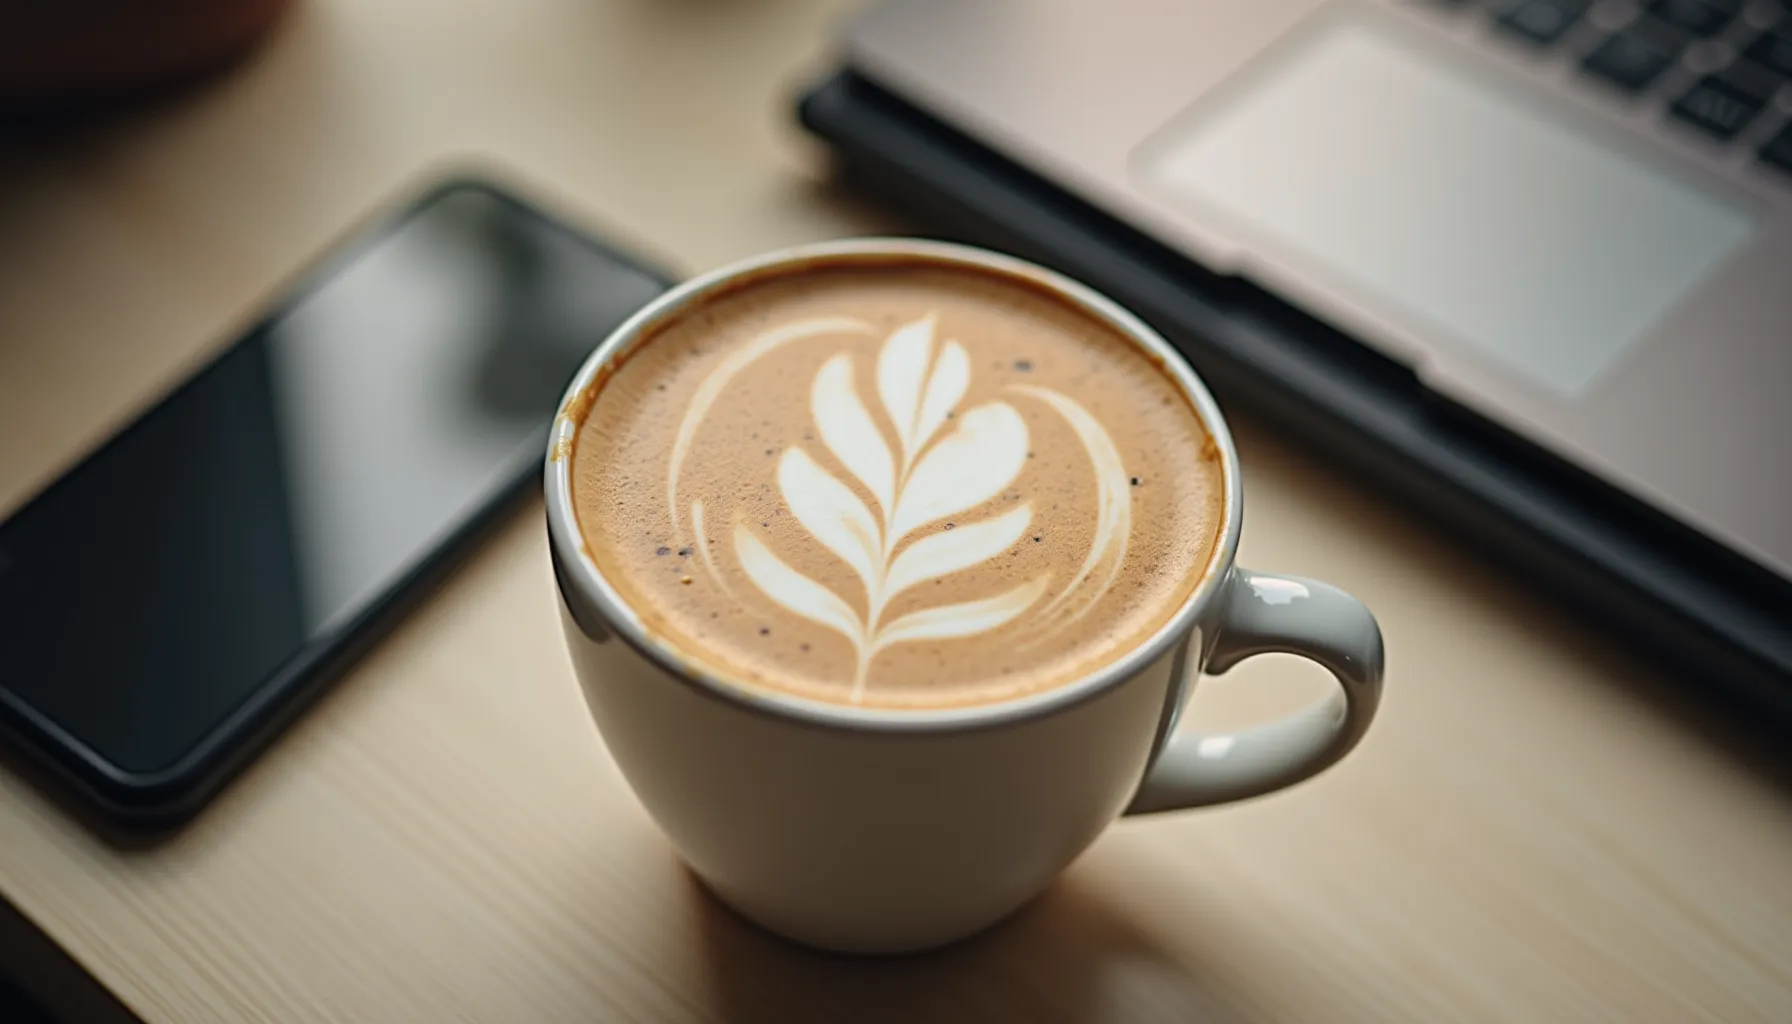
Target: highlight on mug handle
1266, 613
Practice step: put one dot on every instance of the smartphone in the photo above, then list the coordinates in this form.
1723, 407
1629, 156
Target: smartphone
177, 597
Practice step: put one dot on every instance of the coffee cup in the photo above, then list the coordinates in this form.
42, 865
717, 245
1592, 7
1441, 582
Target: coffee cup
886, 568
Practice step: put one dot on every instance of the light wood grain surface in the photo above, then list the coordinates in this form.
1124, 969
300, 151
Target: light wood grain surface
1538, 829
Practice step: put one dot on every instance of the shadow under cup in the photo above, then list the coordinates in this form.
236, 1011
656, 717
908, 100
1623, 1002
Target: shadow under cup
861, 829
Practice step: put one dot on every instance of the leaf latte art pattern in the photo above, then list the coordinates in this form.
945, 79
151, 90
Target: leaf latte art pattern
945, 462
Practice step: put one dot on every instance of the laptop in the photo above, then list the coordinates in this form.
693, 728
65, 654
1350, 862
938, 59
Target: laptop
1571, 218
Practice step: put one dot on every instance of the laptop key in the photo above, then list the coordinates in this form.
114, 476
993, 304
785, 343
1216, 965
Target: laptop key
1773, 51
1543, 21
1778, 150
1719, 105
1702, 17
1632, 59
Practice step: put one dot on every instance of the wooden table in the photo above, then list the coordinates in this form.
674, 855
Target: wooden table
1538, 829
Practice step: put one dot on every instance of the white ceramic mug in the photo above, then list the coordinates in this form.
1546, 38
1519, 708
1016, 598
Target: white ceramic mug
863, 829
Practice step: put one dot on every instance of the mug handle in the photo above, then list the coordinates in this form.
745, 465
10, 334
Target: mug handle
1266, 613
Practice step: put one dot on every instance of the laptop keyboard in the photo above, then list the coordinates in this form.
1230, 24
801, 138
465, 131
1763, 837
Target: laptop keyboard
1720, 67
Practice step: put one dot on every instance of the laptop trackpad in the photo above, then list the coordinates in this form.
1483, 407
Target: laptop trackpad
1361, 158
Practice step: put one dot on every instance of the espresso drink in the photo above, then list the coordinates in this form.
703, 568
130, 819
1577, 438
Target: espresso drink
895, 485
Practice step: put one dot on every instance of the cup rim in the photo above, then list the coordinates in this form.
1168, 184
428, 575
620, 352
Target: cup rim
571, 551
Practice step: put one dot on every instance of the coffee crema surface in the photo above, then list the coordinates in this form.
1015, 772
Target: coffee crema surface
909, 485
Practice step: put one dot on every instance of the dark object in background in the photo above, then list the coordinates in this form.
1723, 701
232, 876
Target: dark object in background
174, 600
1726, 623
60, 52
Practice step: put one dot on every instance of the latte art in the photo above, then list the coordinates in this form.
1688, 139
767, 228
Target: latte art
886, 489
932, 476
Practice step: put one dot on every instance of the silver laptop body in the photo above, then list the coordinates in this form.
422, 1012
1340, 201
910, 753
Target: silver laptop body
1583, 241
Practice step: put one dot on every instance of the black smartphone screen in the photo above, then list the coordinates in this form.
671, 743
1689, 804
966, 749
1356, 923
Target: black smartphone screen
204, 558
